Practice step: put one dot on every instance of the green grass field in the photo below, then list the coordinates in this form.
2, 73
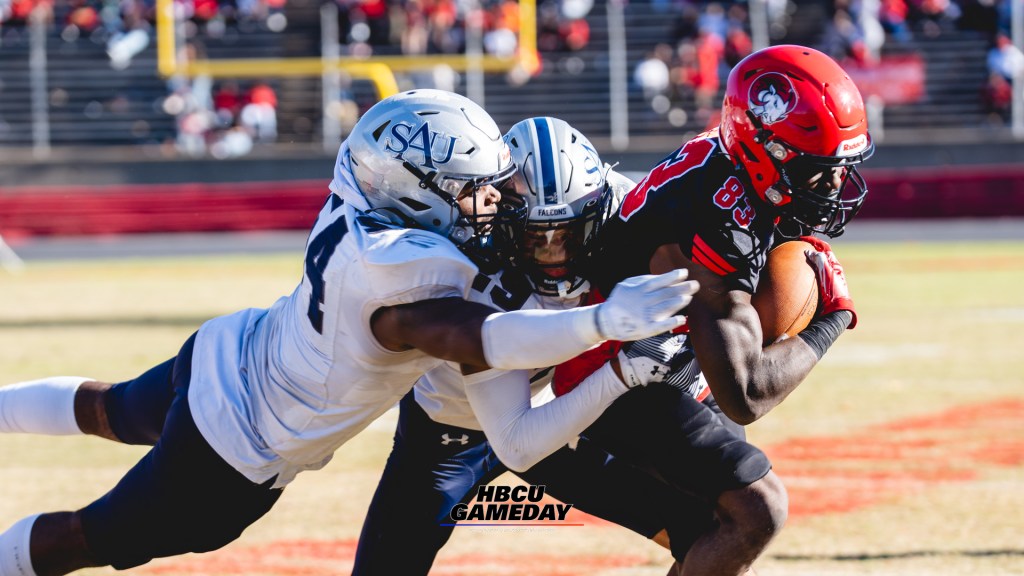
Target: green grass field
903, 452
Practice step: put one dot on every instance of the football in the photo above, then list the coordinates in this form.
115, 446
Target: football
786, 298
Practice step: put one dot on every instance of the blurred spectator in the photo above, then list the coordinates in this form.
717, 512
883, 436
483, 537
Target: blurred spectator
997, 97
1005, 11
82, 16
892, 15
738, 46
549, 38
227, 103
231, 143
685, 27
414, 33
865, 15
445, 36
933, 17
560, 31
843, 39
697, 71
1005, 63
259, 114
686, 69
501, 35
123, 46
652, 73
778, 16
374, 15
575, 34
713, 21
575, 9
1005, 59
193, 119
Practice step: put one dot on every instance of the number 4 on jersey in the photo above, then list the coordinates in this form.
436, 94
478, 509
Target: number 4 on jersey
318, 254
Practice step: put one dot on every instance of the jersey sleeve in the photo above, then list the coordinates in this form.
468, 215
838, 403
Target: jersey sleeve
696, 199
522, 435
731, 230
405, 266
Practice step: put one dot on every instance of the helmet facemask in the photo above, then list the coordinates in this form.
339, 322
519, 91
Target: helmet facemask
474, 230
806, 195
565, 184
550, 251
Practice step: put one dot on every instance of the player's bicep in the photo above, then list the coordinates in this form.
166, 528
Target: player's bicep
446, 328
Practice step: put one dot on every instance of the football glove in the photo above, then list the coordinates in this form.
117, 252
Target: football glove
649, 360
644, 306
835, 292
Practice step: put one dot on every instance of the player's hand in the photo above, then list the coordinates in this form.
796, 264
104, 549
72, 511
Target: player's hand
649, 360
643, 306
835, 292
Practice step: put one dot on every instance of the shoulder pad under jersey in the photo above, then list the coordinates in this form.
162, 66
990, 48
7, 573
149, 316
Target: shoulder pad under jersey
405, 265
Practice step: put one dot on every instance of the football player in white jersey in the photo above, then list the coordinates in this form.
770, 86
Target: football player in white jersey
456, 434
254, 398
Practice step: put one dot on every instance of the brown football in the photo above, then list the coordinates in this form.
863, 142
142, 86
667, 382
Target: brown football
787, 292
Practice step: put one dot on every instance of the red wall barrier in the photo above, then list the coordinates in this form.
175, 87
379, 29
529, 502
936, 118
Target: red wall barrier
161, 208
977, 191
970, 192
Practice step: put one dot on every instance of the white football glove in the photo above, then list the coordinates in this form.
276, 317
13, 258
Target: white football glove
649, 360
665, 358
644, 306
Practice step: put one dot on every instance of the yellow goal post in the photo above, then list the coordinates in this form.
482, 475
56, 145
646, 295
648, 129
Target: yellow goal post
380, 70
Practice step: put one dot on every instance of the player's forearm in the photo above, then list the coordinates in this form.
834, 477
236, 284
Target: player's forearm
523, 436
534, 338
749, 381
780, 368
476, 335
728, 348
451, 329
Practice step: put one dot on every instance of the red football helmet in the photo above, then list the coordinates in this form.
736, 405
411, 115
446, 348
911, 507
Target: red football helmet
795, 122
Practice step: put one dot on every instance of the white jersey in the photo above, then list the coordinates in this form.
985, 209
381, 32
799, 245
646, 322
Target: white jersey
441, 392
277, 391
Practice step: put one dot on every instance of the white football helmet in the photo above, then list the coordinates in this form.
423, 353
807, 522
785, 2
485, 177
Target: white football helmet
564, 182
415, 153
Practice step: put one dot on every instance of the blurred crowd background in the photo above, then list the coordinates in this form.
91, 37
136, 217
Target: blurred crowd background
923, 65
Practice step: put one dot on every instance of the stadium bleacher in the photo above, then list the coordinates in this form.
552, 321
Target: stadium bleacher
93, 104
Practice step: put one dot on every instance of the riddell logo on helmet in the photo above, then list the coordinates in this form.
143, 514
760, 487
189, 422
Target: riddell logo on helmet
771, 97
405, 137
852, 146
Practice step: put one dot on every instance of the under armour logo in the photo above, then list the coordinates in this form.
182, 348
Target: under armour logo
655, 370
446, 439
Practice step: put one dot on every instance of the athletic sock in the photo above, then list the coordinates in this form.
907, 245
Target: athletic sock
14, 549
45, 406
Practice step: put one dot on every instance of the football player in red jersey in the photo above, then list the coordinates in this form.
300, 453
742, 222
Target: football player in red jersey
782, 164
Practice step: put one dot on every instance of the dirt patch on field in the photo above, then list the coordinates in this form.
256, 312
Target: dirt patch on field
842, 473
